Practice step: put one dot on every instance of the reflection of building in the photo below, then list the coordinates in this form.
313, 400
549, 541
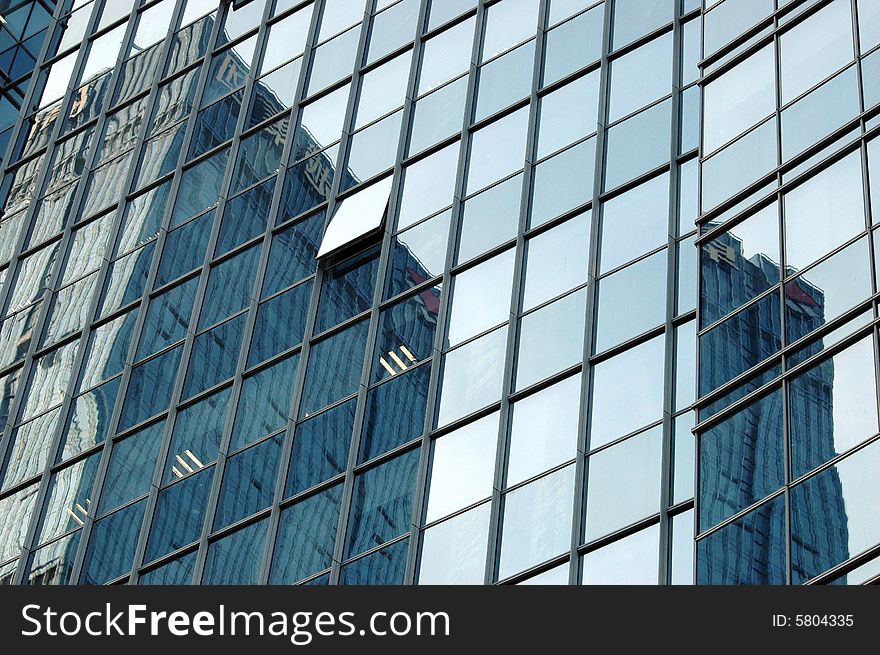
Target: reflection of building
734, 466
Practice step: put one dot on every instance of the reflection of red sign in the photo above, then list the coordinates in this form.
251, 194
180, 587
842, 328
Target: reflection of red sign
432, 302
794, 291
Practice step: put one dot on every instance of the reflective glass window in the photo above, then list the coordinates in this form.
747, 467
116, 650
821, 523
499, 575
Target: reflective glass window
635, 222
497, 149
320, 447
556, 261
640, 77
568, 113
631, 560
481, 298
462, 466
306, 534
454, 552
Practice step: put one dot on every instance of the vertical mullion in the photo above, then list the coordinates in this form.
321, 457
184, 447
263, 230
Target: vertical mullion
287, 446
423, 476
670, 371
519, 271
582, 463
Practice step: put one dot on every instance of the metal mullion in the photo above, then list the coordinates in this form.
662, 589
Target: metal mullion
423, 475
48, 293
493, 552
198, 306
670, 368
582, 463
86, 331
344, 144
135, 338
312, 309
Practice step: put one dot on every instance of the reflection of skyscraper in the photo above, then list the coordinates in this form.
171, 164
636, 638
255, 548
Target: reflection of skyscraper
734, 467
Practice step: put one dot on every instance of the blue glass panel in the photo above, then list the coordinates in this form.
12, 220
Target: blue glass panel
215, 124
185, 248
320, 448
293, 253
130, 471
167, 318
741, 460
347, 289
176, 572
406, 333
179, 514
200, 187
264, 403
198, 430
751, 550
127, 279
739, 343
833, 514
342, 353
214, 356
306, 534
395, 413
248, 482
382, 503
149, 388
236, 559
260, 153
245, 216
573, 44
53, 564
384, 567
112, 544
280, 323
230, 286
418, 254
89, 420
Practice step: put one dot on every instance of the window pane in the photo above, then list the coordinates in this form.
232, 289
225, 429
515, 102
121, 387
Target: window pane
623, 483
418, 254
568, 113
248, 482
347, 289
395, 413
504, 80
536, 523
832, 516
178, 571
573, 44
438, 115
384, 567
551, 339
306, 534
280, 323
472, 376
446, 55
635, 222
832, 407
462, 467
507, 24
490, 218
684, 458
633, 19
428, 186
824, 212
497, 149
638, 144
320, 448
382, 503
245, 217
180, 511
557, 260
197, 433
342, 353
640, 77
130, 471
563, 182
739, 164
264, 404
150, 387
631, 301
622, 402
544, 430
454, 552
229, 287
214, 356
481, 298
815, 48
738, 99
112, 544
632, 560
739, 264
237, 558
741, 460
383, 89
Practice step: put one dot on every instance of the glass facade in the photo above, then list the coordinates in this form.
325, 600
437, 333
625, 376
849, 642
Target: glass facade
440, 292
